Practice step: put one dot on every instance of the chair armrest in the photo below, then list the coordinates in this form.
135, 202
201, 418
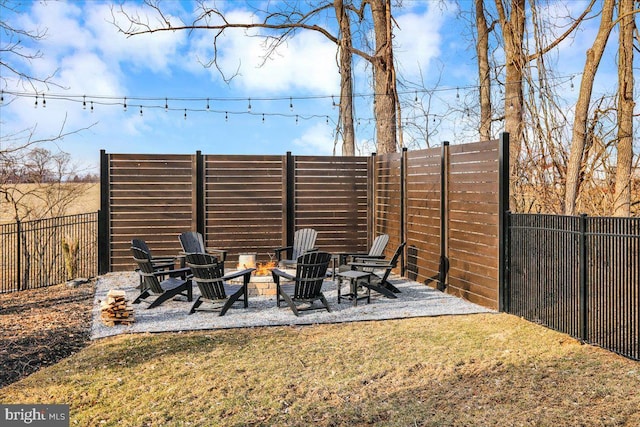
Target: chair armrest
364, 258
371, 264
238, 274
222, 252
280, 273
176, 271
279, 251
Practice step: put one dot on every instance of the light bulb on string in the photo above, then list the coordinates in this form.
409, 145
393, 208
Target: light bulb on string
185, 114
125, 103
166, 105
141, 111
327, 120
92, 106
249, 106
1, 97
262, 118
84, 102
207, 104
296, 119
333, 102
44, 101
290, 103
416, 98
226, 116
36, 104
458, 93
571, 82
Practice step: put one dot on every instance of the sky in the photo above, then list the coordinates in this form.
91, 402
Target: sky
284, 103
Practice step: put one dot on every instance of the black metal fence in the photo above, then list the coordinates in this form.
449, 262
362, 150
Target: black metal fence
48, 251
578, 275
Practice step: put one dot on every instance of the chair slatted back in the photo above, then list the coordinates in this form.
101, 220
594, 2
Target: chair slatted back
146, 271
192, 242
379, 244
303, 241
141, 244
207, 273
394, 261
311, 270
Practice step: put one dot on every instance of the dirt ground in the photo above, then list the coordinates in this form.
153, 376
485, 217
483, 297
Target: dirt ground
39, 327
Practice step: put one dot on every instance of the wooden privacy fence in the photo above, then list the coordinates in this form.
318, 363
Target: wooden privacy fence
445, 203
239, 203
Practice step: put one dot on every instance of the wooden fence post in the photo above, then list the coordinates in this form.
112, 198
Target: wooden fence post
290, 194
403, 208
443, 267
200, 215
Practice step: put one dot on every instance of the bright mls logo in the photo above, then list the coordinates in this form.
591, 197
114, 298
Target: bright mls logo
34, 415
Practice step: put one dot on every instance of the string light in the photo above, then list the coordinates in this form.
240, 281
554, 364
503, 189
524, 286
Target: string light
290, 104
262, 118
185, 114
296, 119
36, 104
226, 116
1, 96
333, 102
125, 103
141, 111
249, 106
44, 102
84, 102
207, 104
458, 93
92, 106
166, 105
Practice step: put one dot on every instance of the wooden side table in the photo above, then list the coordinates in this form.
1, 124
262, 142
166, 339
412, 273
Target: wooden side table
354, 277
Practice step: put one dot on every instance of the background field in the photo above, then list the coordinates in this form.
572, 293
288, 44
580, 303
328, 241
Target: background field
88, 201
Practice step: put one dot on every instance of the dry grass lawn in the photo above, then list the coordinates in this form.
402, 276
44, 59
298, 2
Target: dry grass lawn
476, 370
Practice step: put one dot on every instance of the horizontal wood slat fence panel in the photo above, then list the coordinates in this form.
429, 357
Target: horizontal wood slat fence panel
388, 214
331, 197
473, 212
151, 198
423, 214
244, 204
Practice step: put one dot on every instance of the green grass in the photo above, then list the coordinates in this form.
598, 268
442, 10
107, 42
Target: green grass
477, 370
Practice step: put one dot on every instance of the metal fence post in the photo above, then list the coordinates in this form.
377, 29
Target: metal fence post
290, 194
582, 242
443, 267
503, 219
104, 242
19, 254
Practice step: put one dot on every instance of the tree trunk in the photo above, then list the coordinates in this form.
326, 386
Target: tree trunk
622, 193
578, 139
346, 80
384, 78
484, 77
512, 23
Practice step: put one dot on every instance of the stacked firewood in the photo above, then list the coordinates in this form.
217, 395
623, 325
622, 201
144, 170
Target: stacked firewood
115, 310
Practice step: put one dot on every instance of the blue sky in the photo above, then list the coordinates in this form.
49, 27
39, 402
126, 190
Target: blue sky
91, 58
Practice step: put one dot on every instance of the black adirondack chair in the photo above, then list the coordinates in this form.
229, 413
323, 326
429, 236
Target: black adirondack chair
311, 270
153, 285
208, 273
304, 241
193, 242
380, 271
375, 252
158, 263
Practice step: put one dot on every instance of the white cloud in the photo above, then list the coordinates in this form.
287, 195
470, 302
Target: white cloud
418, 39
316, 140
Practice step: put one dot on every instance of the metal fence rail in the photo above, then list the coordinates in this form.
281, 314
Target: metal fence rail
48, 251
578, 275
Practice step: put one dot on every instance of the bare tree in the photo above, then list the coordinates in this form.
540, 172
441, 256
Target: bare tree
285, 22
578, 140
622, 194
